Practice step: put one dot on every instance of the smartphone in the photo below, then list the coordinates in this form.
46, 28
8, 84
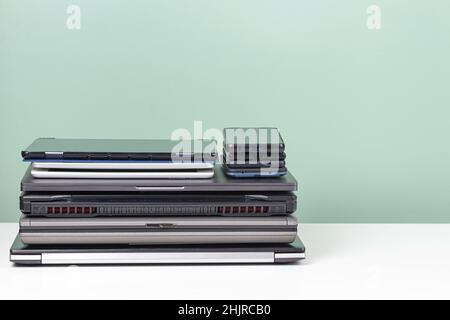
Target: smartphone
248, 164
252, 139
254, 172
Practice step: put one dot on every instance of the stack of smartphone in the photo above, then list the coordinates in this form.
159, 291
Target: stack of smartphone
148, 201
253, 153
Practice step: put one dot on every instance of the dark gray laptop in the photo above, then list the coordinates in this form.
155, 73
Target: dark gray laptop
220, 182
147, 204
159, 254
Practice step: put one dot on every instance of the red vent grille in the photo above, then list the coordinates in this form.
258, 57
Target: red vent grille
243, 209
71, 210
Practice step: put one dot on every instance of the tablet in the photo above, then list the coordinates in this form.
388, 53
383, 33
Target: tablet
120, 149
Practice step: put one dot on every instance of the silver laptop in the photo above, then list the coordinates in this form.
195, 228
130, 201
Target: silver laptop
22, 254
158, 230
122, 165
121, 174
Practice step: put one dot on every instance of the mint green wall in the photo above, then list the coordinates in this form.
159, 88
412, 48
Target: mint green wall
365, 114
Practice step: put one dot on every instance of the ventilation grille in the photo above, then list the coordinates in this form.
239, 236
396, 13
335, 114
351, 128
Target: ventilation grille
118, 210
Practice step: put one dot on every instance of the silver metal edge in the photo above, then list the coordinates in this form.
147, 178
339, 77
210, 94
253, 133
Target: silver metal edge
157, 258
26, 258
289, 256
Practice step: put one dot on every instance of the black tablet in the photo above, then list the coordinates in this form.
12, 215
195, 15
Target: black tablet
119, 149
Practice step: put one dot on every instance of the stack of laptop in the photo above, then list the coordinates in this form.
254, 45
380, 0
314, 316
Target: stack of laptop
141, 202
253, 153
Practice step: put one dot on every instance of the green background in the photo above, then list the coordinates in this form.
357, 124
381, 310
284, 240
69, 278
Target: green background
365, 114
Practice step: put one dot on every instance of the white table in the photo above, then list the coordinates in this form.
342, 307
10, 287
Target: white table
344, 261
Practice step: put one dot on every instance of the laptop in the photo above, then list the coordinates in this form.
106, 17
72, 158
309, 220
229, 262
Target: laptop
121, 165
158, 230
218, 183
22, 254
120, 149
120, 174
110, 204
